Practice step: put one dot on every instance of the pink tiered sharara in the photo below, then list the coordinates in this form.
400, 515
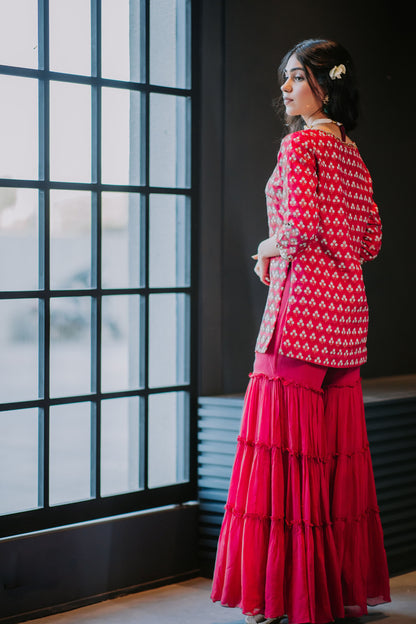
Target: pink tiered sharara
301, 535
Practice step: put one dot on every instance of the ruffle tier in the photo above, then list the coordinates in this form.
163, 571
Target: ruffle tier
301, 534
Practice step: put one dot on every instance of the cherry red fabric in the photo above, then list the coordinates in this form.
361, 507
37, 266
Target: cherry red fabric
301, 533
321, 210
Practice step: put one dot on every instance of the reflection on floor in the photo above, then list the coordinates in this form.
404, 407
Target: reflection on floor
188, 603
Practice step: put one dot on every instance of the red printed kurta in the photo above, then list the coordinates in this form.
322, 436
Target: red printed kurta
321, 210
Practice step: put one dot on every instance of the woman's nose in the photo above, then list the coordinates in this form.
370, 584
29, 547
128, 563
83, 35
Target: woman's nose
286, 85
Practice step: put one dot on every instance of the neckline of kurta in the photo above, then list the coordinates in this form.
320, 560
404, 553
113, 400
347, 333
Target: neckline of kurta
347, 143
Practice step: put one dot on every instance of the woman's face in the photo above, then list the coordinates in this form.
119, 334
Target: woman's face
298, 97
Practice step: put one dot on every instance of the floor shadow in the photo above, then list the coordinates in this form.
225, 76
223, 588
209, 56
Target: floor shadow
239, 621
374, 616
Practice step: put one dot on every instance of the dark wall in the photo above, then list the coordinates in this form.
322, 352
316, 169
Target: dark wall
242, 43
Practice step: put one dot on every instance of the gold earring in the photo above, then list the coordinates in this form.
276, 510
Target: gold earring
325, 99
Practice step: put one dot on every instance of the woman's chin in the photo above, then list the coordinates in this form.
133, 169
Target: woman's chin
291, 111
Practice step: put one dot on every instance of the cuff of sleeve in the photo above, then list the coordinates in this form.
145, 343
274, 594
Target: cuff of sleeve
283, 252
286, 240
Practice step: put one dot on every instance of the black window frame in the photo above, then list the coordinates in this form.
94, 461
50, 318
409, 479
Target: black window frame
47, 516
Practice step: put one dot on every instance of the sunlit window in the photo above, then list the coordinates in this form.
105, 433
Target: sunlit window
96, 202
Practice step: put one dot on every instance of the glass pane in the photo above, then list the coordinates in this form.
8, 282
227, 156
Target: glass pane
169, 241
70, 346
70, 133
69, 449
168, 438
18, 460
121, 446
169, 43
120, 343
19, 33
70, 36
18, 349
121, 40
168, 339
121, 244
18, 239
70, 228
169, 149
18, 128
121, 146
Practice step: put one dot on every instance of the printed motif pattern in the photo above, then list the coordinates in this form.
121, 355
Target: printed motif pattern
321, 210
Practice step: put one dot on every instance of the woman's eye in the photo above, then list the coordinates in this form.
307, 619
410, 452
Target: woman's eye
299, 78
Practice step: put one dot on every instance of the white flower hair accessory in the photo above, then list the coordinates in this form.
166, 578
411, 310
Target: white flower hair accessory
337, 71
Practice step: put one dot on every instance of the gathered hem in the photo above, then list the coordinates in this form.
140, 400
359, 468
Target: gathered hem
286, 382
300, 454
297, 384
349, 610
243, 515
238, 604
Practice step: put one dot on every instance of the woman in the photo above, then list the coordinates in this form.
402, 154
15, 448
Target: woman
301, 535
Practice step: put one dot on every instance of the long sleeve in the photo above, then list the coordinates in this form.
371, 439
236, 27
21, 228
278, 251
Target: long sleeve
371, 241
299, 210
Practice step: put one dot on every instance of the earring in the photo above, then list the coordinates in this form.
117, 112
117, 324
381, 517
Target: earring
325, 102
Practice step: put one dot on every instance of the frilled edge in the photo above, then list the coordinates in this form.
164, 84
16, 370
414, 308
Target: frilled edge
300, 454
285, 382
296, 384
243, 515
349, 610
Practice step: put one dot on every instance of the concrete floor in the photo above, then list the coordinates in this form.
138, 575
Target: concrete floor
189, 603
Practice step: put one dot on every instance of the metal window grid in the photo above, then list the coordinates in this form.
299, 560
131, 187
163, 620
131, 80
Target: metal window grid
47, 516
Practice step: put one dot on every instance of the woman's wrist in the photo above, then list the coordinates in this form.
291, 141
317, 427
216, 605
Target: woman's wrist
267, 248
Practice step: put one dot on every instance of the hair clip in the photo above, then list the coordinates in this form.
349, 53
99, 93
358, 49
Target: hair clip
337, 71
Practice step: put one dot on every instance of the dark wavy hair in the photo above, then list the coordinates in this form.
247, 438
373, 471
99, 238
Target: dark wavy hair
318, 57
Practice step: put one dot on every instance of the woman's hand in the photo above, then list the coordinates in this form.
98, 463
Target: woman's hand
267, 249
262, 268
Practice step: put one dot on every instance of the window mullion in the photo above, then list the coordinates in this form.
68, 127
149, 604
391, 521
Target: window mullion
95, 459
44, 253
145, 29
